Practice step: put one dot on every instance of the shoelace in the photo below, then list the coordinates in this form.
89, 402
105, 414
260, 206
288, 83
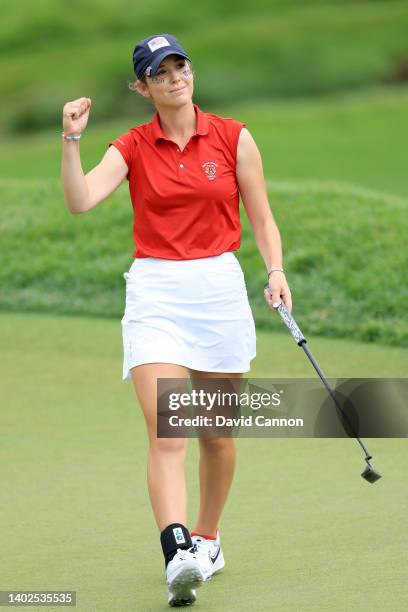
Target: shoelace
183, 551
201, 551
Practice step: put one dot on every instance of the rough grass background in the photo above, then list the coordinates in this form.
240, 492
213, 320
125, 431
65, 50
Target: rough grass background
345, 259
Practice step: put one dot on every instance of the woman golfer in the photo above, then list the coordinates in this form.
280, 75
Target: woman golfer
187, 311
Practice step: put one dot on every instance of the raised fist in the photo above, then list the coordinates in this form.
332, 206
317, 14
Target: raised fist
75, 115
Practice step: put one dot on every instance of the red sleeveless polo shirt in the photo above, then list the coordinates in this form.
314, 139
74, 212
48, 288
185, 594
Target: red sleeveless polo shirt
185, 203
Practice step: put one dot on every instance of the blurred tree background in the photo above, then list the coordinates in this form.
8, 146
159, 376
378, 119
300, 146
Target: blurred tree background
52, 51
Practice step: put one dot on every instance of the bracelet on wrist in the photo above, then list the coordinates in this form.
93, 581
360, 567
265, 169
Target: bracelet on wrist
71, 136
275, 270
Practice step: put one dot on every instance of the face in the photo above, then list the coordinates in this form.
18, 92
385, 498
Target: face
172, 84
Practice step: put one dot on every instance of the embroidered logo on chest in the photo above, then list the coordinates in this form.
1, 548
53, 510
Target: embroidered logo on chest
210, 169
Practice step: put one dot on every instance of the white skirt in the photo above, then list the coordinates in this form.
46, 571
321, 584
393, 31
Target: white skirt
192, 312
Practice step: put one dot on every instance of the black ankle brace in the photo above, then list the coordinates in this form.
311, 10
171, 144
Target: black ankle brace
174, 536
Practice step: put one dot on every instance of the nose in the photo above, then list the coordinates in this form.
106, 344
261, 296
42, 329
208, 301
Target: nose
175, 76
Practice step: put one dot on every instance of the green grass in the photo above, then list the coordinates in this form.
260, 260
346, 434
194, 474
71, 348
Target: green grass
342, 247
76, 513
240, 51
353, 137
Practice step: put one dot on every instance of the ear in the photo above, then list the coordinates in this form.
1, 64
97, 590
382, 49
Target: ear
143, 89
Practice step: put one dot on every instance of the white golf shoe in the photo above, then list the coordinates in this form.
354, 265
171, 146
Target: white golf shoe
209, 554
183, 576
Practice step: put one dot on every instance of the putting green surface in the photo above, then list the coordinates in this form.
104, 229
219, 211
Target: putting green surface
301, 530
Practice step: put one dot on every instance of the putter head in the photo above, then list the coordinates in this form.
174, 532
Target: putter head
370, 474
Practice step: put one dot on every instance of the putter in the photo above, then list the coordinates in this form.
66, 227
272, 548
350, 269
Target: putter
370, 473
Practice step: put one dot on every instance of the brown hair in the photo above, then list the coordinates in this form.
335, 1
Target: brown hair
132, 84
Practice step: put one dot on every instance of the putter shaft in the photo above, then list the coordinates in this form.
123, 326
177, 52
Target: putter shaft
370, 474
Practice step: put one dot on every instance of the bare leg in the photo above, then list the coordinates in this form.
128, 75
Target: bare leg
166, 456
217, 466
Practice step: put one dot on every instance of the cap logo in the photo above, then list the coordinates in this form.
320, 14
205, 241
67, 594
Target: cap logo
157, 43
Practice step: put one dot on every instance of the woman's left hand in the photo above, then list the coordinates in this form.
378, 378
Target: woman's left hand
278, 291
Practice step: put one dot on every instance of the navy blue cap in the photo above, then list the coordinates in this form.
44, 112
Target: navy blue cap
150, 52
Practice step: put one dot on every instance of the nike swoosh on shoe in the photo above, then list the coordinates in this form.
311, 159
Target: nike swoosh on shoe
214, 558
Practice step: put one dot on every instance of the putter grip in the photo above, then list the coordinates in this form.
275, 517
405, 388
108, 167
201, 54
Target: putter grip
290, 322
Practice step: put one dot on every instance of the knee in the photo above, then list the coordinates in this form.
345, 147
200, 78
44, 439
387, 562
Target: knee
168, 446
217, 445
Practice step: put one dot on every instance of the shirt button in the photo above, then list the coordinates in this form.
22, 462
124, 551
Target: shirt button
181, 165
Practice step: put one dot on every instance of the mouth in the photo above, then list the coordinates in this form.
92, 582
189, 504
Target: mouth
176, 90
